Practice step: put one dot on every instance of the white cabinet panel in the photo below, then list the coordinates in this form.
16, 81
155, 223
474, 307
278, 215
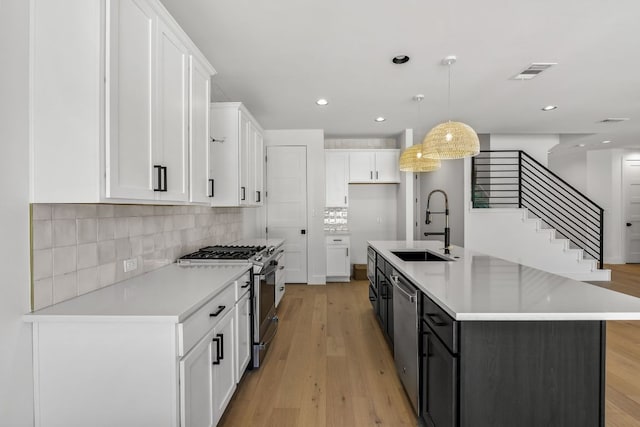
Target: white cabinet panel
337, 179
338, 259
237, 149
243, 341
374, 166
172, 148
201, 187
131, 100
224, 374
196, 385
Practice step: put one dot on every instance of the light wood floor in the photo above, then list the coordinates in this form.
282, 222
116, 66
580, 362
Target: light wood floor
330, 366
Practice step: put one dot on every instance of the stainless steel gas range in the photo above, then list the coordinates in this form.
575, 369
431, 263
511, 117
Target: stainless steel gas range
264, 260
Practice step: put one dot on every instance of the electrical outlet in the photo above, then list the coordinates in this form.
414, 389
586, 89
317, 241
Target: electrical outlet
130, 264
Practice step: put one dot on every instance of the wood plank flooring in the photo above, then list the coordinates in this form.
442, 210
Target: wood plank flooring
329, 365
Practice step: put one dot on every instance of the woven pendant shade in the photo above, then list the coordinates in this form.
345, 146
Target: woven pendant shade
450, 140
412, 160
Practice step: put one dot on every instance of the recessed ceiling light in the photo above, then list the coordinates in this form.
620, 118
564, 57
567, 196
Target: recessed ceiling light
380, 119
606, 142
549, 107
400, 59
580, 145
322, 102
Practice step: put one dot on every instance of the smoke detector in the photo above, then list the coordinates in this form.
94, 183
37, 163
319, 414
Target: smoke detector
533, 70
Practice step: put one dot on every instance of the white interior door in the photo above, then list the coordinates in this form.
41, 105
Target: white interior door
287, 206
632, 192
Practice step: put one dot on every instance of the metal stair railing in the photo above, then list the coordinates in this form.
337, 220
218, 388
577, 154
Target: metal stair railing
512, 178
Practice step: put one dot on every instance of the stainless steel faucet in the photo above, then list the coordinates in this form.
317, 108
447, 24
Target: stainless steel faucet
447, 231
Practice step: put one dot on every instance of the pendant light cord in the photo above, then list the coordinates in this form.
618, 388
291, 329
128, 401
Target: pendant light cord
449, 101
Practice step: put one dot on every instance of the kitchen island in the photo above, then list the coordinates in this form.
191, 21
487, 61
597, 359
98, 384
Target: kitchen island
499, 344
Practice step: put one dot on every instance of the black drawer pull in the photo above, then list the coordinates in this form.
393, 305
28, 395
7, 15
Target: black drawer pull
217, 341
218, 311
437, 320
221, 336
246, 285
212, 188
282, 288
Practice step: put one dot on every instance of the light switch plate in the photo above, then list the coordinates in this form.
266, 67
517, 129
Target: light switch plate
130, 264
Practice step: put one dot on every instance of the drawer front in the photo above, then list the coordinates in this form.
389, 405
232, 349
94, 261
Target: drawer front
242, 285
337, 240
442, 324
200, 322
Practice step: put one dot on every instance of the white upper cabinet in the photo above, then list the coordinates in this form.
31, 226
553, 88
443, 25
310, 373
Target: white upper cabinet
237, 156
201, 186
374, 166
337, 178
115, 123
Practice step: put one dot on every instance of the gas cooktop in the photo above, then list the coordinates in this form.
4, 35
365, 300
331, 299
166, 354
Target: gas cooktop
224, 252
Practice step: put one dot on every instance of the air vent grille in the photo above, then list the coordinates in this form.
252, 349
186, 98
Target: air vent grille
614, 120
533, 70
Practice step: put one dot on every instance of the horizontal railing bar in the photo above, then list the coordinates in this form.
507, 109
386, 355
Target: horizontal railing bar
592, 230
527, 157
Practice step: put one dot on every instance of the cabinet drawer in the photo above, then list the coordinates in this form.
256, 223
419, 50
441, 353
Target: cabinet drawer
337, 240
242, 285
442, 324
195, 326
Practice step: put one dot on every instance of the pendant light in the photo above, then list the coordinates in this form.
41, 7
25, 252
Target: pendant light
412, 160
450, 140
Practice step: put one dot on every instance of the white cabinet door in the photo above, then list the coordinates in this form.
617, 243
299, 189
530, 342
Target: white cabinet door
387, 167
196, 385
258, 167
172, 139
224, 374
361, 166
201, 187
337, 179
244, 132
337, 261
243, 340
131, 77
280, 279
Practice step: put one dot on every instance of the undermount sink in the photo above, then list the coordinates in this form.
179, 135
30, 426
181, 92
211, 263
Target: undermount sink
419, 256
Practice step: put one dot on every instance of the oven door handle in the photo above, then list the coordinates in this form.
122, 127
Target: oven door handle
266, 342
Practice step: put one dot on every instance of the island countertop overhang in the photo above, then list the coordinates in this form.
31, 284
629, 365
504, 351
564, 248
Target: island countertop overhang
484, 288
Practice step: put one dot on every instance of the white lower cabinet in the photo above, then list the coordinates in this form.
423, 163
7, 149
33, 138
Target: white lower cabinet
338, 259
223, 361
131, 369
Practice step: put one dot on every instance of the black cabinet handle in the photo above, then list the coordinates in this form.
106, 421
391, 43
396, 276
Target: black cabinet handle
164, 173
370, 174
282, 288
628, 224
158, 169
243, 194
246, 285
437, 320
221, 336
212, 188
258, 197
217, 341
218, 311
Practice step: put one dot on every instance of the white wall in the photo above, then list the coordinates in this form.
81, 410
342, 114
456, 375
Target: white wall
450, 178
314, 141
572, 167
604, 186
406, 191
16, 381
373, 215
536, 146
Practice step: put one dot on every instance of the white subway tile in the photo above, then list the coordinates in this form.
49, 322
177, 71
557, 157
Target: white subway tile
121, 227
64, 260
105, 211
42, 293
42, 264
41, 211
107, 274
135, 226
42, 234
87, 280
86, 211
87, 230
64, 232
106, 252
107, 229
65, 287
123, 249
87, 255
64, 211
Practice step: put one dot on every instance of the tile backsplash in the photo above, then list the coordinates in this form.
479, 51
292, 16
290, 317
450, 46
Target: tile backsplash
336, 219
79, 248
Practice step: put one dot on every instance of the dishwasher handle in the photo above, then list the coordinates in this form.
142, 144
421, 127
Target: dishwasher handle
411, 296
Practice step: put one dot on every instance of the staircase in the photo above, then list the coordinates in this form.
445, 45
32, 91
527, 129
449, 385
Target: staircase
525, 213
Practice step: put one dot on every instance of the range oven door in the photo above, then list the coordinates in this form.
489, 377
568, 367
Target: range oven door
265, 319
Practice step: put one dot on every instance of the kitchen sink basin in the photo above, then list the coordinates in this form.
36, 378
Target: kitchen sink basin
419, 256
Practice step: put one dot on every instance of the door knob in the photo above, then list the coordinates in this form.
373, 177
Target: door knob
628, 224
303, 231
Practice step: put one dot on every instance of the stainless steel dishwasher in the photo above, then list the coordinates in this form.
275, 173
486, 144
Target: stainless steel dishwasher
405, 335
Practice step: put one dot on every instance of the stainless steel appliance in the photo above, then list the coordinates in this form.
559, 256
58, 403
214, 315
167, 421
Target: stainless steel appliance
264, 260
405, 312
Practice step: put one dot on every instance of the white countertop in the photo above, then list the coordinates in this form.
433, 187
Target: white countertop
170, 293
481, 287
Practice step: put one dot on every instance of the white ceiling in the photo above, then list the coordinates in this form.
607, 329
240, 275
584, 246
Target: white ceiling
279, 56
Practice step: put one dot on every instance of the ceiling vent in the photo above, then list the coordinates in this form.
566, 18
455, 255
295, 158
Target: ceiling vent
533, 70
614, 120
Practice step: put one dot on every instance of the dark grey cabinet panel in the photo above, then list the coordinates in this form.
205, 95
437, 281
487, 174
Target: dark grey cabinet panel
439, 407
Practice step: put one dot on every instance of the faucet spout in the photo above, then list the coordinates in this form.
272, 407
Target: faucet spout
447, 231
